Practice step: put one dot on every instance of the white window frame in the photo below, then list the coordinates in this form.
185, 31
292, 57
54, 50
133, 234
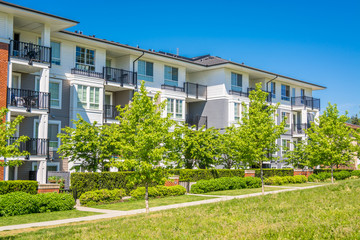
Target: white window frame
111, 97
175, 113
52, 56
288, 119
87, 101
57, 122
146, 78
53, 80
19, 79
236, 87
94, 97
239, 111
34, 164
171, 81
85, 64
282, 146
284, 97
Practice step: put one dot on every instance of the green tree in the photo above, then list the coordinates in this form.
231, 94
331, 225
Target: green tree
198, 148
299, 156
331, 142
354, 120
259, 130
9, 148
87, 144
142, 140
231, 148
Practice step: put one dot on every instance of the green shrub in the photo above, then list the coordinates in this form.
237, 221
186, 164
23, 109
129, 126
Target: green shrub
342, 175
84, 182
225, 183
18, 186
267, 172
355, 173
101, 196
19, 203
285, 180
328, 170
158, 191
326, 176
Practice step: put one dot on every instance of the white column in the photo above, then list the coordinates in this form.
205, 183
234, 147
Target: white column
303, 116
16, 169
45, 36
6, 177
41, 172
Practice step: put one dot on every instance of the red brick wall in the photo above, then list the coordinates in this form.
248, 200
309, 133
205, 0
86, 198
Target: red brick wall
306, 173
3, 83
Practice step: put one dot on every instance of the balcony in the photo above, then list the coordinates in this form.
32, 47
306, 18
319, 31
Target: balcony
305, 102
87, 73
195, 91
30, 52
120, 76
197, 121
299, 129
239, 93
268, 98
110, 113
34, 146
28, 99
172, 88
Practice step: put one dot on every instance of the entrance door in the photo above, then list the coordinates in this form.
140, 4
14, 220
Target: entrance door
16, 81
108, 107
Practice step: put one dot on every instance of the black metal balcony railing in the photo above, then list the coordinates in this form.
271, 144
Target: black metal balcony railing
298, 129
28, 99
30, 51
310, 102
110, 112
195, 90
239, 93
197, 121
34, 146
87, 73
173, 88
268, 98
120, 76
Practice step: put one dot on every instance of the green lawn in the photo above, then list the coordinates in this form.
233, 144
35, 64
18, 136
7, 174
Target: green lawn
329, 212
304, 184
41, 217
237, 192
132, 205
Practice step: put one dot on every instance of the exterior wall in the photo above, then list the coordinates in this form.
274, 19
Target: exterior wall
3, 82
216, 111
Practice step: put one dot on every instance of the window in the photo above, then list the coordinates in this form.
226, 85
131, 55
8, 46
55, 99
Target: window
237, 111
54, 128
50, 166
55, 52
293, 92
175, 108
85, 59
82, 96
236, 82
145, 71
55, 89
91, 101
171, 76
273, 90
94, 97
285, 92
287, 116
285, 146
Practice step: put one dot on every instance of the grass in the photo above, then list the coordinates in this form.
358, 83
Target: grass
329, 212
138, 204
237, 192
41, 217
304, 184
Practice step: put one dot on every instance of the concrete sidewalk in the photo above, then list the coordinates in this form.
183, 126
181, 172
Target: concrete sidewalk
113, 213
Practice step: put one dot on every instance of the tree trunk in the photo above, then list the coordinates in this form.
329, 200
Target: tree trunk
262, 179
332, 174
147, 197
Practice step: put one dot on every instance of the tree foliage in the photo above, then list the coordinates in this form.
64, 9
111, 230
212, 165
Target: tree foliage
354, 120
197, 148
331, 143
86, 144
142, 140
9, 148
258, 129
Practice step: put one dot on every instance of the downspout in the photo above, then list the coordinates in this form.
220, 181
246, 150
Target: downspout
267, 83
134, 67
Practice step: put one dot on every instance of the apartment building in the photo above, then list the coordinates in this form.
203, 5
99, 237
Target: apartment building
49, 75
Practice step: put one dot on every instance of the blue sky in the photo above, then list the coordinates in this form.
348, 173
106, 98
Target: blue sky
315, 41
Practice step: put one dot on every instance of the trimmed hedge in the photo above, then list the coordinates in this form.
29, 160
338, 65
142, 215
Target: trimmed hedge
321, 170
355, 173
19, 203
18, 186
225, 183
285, 180
274, 172
194, 175
158, 191
326, 176
101, 196
84, 182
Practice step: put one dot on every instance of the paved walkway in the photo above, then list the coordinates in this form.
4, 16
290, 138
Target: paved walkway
113, 213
